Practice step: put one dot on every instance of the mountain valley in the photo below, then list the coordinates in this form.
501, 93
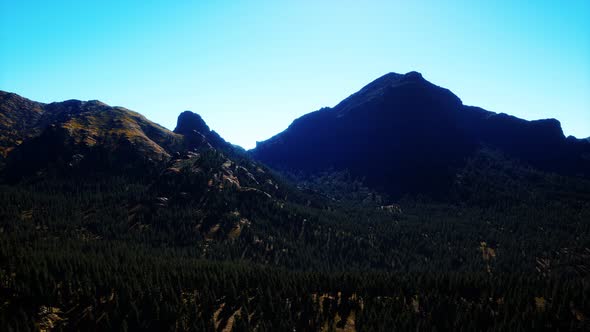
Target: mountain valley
400, 208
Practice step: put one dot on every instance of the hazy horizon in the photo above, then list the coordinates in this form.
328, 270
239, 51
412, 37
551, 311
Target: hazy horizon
249, 69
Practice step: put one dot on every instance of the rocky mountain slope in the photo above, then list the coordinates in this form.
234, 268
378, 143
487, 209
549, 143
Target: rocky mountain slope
93, 136
20, 119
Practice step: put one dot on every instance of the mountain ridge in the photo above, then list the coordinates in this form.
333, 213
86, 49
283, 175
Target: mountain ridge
409, 131
92, 136
402, 129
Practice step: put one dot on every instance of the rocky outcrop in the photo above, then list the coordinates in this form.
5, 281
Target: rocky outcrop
197, 134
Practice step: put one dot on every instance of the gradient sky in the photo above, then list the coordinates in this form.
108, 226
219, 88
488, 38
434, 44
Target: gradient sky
251, 67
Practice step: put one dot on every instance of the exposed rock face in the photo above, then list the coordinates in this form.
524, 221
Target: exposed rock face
403, 134
197, 133
189, 122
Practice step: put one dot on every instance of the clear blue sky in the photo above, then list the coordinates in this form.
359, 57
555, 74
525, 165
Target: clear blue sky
251, 67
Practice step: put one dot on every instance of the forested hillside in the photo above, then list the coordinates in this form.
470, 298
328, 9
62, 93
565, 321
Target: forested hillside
207, 239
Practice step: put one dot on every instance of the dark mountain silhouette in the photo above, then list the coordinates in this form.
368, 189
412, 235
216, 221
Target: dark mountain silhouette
196, 133
403, 134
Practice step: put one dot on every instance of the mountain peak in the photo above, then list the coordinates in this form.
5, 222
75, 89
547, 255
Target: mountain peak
197, 133
403, 134
413, 75
392, 79
394, 88
189, 121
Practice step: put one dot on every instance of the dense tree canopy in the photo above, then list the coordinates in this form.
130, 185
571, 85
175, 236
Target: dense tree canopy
508, 249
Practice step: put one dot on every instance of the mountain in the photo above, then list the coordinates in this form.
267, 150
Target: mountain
109, 221
403, 134
92, 136
90, 141
88, 134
